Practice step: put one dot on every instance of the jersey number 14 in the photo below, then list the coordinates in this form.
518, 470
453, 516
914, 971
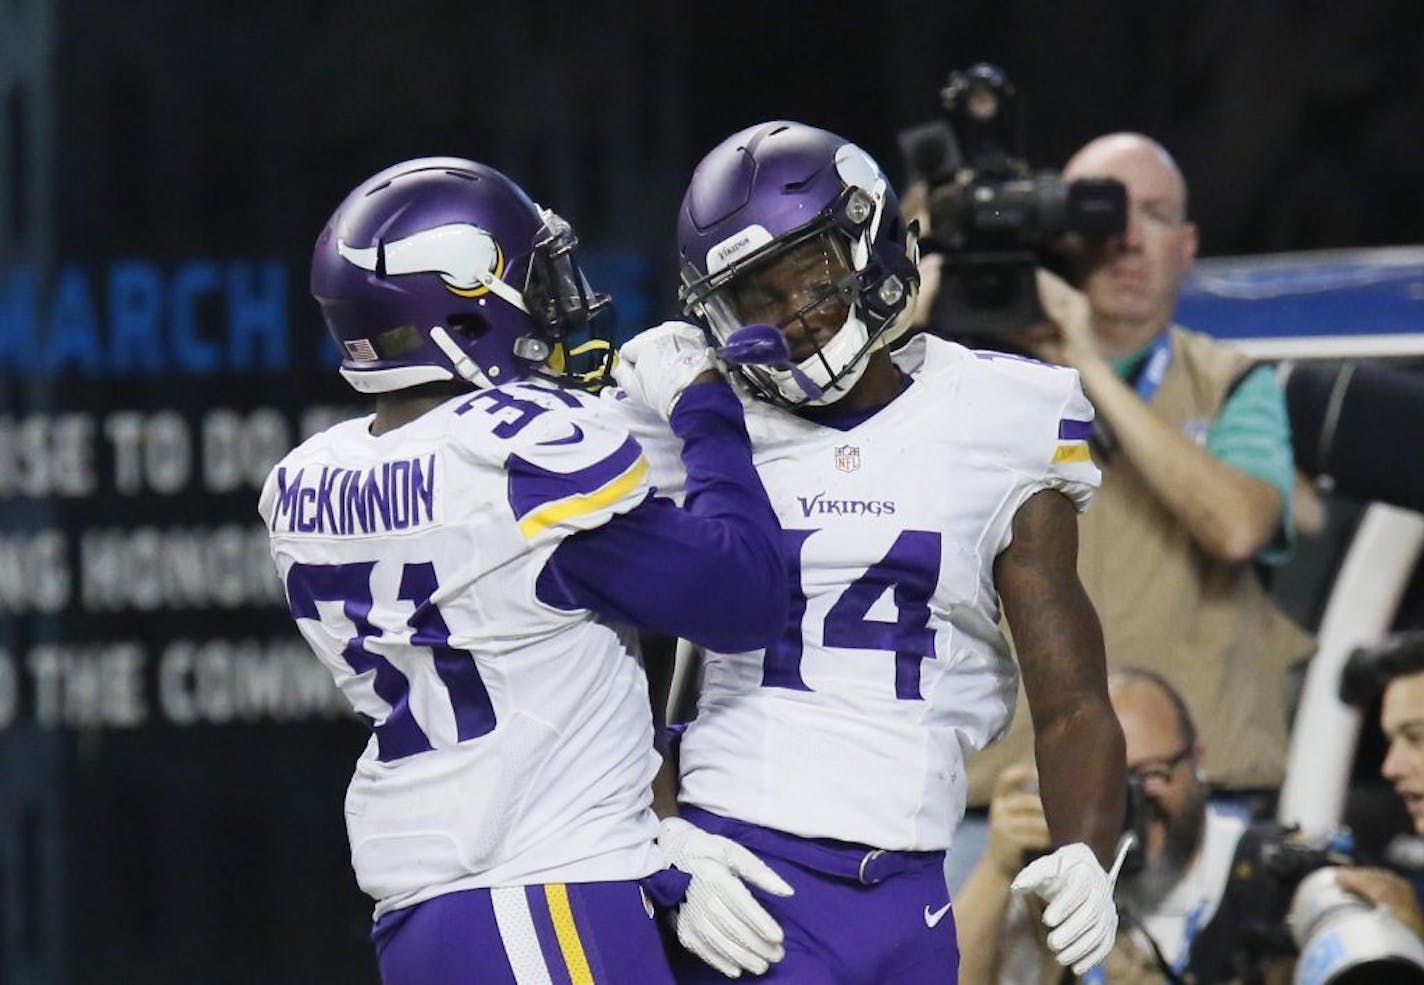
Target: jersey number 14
910, 568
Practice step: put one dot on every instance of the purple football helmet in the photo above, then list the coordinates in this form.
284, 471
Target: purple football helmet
790, 199
440, 268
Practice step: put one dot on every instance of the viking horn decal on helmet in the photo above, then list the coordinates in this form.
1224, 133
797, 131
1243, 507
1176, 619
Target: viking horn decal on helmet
442, 268
466, 257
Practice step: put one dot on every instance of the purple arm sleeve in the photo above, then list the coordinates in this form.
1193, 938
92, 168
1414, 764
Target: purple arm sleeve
711, 571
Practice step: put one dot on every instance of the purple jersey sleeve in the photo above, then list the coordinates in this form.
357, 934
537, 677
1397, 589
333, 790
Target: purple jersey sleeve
710, 571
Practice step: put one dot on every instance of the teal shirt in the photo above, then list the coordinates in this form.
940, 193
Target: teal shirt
1251, 434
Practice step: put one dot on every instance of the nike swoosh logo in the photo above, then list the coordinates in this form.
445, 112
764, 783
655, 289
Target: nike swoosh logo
570, 439
932, 918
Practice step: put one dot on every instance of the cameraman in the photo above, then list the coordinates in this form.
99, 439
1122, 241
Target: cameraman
1193, 904
1197, 478
1394, 674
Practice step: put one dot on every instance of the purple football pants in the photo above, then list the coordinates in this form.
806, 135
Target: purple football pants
859, 917
596, 933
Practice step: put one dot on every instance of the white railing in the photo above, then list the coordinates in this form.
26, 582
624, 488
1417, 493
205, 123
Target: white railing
1361, 610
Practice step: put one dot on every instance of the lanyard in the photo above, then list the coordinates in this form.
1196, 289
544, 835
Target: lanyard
1146, 381
1097, 975
1189, 935
1155, 368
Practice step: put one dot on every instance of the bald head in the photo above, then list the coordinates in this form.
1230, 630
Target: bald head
1120, 155
1163, 757
1132, 280
1147, 698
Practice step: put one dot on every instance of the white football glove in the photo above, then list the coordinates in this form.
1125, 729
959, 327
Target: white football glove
1081, 915
718, 919
655, 366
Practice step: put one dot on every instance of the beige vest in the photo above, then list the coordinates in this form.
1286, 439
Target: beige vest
1207, 626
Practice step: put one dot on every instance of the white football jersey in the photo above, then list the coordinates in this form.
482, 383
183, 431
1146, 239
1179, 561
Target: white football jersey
512, 741
893, 669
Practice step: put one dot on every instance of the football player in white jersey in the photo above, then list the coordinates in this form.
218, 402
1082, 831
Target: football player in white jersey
922, 494
467, 561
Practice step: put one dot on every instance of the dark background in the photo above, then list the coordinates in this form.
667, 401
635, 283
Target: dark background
174, 132
172, 129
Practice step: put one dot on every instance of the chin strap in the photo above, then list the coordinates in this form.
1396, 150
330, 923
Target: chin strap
559, 361
459, 358
503, 291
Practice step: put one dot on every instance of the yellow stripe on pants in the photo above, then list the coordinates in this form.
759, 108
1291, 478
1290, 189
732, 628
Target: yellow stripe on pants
562, 914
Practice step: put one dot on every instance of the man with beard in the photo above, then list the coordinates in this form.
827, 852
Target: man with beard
1188, 910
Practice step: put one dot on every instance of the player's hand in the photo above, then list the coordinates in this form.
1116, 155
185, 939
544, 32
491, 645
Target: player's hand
1066, 338
1016, 821
931, 267
656, 366
718, 919
1081, 915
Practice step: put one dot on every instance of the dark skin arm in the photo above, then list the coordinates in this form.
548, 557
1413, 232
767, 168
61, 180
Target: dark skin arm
659, 655
1078, 743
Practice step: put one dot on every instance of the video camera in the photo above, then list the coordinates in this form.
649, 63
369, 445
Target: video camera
1339, 938
990, 216
1285, 904
1282, 907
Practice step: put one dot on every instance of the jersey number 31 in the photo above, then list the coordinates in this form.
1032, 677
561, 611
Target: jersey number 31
350, 584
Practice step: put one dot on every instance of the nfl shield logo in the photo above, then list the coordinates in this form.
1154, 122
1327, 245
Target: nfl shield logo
847, 458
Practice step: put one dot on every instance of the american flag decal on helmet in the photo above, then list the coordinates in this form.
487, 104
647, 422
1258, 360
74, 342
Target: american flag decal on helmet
361, 350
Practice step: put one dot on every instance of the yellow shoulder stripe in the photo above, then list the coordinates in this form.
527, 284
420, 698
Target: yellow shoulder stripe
576, 506
1077, 451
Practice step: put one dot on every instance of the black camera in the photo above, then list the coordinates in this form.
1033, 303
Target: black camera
991, 217
1282, 907
1338, 938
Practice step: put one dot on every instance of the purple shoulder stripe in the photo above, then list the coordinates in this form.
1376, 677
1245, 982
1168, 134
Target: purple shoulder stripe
1071, 430
532, 486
